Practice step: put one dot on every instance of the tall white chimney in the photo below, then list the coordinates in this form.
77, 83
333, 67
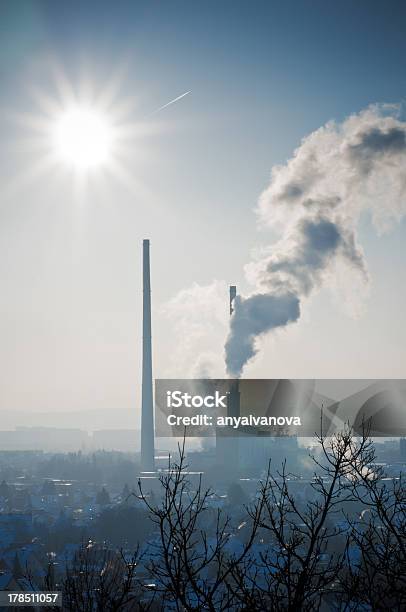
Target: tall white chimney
147, 416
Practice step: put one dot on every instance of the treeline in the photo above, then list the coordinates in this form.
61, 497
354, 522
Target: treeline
101, 467
341, 548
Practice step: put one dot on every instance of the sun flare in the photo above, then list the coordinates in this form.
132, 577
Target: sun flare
83, 138
88, 136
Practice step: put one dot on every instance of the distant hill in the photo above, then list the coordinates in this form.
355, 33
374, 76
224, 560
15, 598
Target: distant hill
88, 420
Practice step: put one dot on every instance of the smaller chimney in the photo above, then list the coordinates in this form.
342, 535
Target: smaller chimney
233, 293
233, 405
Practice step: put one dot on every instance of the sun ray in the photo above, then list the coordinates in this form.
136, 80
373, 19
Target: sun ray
84, 135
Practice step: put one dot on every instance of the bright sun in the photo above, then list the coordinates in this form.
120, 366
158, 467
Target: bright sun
83, 138
93, 137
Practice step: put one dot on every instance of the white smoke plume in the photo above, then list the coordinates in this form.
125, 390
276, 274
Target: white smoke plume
198, 319
315, 202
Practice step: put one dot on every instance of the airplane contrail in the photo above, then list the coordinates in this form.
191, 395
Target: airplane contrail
171, 102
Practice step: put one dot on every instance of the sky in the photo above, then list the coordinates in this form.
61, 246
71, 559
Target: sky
262, 76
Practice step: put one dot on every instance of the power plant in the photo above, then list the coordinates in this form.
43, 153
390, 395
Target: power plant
147, 414
232, 450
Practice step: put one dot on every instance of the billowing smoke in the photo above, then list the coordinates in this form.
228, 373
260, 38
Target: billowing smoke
315, 202
198, 320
